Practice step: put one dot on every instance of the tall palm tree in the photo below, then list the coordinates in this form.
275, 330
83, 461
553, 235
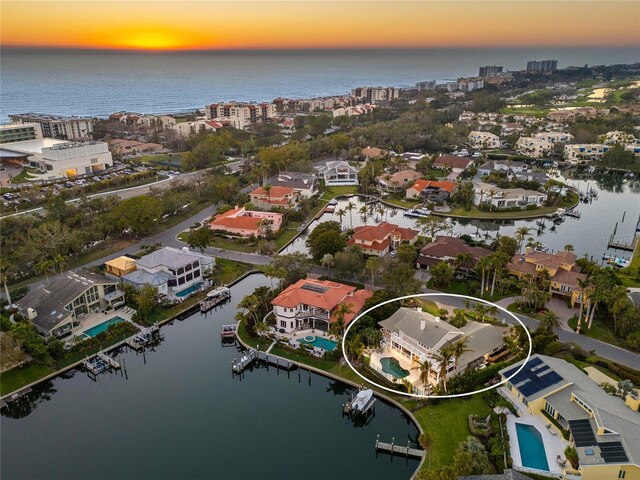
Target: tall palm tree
549, 322
363, 212
7, 269
444, 359
267, 188
463, 261
568, 247
424, 370
341, 213
521, 234
350, 207
582, 285
338, 325
458, 349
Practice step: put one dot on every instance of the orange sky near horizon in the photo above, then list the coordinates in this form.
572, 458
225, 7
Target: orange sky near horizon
174, 25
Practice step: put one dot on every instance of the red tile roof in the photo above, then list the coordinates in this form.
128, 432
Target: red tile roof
451, 161
420, 185
228, 220
276, 192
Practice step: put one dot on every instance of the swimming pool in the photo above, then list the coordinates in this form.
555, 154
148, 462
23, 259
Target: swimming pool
391, 366
101, 327
188, 291
531, 447
319, 342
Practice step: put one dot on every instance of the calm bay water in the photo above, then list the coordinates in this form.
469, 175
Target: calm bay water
181, 415
90, 83
589, 235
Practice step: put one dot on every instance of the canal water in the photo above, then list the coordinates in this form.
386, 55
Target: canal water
181, 414
589, 234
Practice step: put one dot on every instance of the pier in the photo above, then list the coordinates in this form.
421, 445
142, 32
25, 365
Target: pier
143, 338
627, 246
238, 365
13, 397
362, 403
100, 363
392, 448
214, 298
228, 332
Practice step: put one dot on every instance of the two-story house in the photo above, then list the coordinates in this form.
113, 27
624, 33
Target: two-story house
380, 239
270, 196
337, 173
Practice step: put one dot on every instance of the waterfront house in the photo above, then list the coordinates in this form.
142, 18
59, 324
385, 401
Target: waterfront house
563, 271
585, 152
509, 168
452, 162
246, 223
396, 182
445, 249
379, 239
337, 173
434, 191
497, 198
304, 184
603, 429
62, 303
274, 197
412, 335
312, 304
175, 273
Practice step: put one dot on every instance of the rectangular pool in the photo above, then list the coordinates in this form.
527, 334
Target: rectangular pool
188, 291
101, 327
532, 452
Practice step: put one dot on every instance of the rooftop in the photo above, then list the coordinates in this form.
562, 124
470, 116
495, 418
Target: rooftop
171, 258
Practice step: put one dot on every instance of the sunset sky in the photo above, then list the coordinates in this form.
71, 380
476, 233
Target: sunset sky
263, 24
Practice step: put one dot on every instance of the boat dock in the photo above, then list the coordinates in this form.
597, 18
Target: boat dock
362, 403
12, 398
572, 213
228, 332
142, 338
215, 297
627, 246
238, 365
402, 450
100, 363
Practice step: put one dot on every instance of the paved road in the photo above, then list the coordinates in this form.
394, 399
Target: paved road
617, 354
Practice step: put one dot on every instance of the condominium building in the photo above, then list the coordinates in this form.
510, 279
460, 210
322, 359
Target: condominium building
184, 129
19, 132
376, 94
486, 140
554, 137
542, 65
490, 71
241, 115
534, 147
57, 126
585, 151
426, 85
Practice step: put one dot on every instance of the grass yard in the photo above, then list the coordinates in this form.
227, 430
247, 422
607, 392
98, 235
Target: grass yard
515, 110
630, 276
291, 231
18, 377
24, 175
332, 192
228, 270
401, 202
599, 331
448, 423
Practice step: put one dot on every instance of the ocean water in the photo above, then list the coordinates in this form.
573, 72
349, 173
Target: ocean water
99, 83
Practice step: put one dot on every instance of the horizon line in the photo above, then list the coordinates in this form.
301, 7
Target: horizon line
62, 48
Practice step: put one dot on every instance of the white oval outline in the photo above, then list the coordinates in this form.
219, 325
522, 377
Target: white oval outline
415, 395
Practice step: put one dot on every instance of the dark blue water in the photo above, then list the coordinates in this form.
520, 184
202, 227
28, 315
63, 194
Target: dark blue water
89, 83
181, 415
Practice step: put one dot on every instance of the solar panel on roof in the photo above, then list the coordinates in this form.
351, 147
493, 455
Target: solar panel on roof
314, 288
613, 452
582, 433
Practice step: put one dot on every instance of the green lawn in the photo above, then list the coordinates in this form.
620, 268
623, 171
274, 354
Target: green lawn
401, 202
288, 235
230, 270
598, 331
448, 423
24, 175
18, 377
630, 276
331, 192
515, 110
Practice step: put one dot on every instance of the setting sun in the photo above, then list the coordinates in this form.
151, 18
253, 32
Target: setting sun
150, 40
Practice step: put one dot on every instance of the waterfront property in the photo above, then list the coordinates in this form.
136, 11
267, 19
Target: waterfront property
246, 223
446, 249
380, 239
412, 336
585, 152
453, 163
304, 184
603, 428
65, 301
398, 181
494, 197
175, 273
120, 266
57, 126
337, 173
315, 304
274, 196
534, 147
430, 190
564, 273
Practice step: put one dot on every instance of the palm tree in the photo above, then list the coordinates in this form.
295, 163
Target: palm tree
424, 370
372, 264
425, 440
463, 261
350, 207
482, 266
521, 234
44, 267
582, 285
262, 328
459, 348
341, 213
363, 213
481, 311
549, 322
444, 358
59, 261
568, 247
6, 271
338, 325
267, 188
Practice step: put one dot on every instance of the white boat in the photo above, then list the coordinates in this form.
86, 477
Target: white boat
362, 400
218, 292
617, 261
418, 212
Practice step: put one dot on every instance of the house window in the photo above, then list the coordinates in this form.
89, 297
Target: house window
189, 277
196, 274
622, 473
550, 410
283, 323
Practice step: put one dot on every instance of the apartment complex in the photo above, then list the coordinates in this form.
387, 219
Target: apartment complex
485, 140
426, 85
490, 71
540, 66
375, 94
241, 115
585, 151
184, 129
57, 126
19, 132
534, 147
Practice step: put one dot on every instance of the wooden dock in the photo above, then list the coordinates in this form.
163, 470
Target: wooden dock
143, 338
238, 365
214, 298
100, 363
228, 332
392, 448
627, 246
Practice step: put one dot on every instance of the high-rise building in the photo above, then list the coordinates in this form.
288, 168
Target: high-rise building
490, 71
57, 126
376, 94
241, 114
427, 85
542, 66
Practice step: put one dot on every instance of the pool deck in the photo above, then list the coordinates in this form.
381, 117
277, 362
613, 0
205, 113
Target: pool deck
554, 445
414, 375
93, 319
